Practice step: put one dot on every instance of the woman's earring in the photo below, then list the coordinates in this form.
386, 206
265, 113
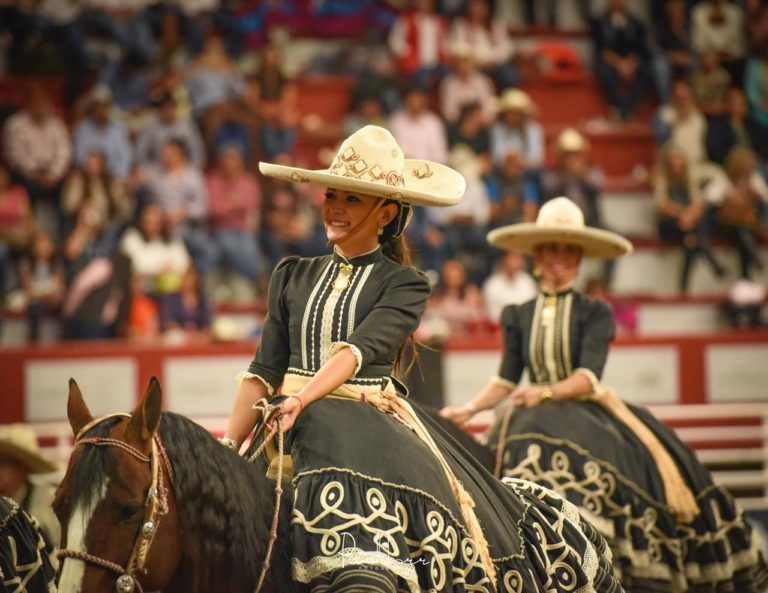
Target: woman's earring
381, 231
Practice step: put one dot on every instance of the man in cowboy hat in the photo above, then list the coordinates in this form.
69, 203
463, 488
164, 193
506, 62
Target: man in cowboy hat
20, 458
516, 129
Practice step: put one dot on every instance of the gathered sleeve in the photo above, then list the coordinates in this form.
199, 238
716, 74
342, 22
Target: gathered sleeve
512, 362
272, 355
596, 333
385, 329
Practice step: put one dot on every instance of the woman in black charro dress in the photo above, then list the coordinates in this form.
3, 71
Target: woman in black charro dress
670, 528
382, 496
25, 555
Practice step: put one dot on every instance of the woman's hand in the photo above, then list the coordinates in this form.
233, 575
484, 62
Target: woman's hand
528, 397
458, 415
289, 412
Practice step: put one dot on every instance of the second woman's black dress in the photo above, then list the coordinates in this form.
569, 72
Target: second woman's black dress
580, 450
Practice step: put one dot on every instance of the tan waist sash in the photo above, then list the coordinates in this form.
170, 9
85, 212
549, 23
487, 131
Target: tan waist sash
389, 402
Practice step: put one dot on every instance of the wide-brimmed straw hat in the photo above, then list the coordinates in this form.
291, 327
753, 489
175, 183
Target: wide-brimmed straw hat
561, 221
371, 162
516, 100
19, 442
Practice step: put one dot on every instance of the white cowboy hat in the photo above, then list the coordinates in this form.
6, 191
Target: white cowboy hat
371, 162
516, 100
570, 140
560, 220
19, 442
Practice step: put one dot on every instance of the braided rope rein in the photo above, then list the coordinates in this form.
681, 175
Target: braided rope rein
269, 411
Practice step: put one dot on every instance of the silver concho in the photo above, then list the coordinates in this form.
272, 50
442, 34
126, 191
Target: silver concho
148, 529
125, 584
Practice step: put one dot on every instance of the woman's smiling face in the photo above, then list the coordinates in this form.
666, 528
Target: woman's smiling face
343, 211
558, 263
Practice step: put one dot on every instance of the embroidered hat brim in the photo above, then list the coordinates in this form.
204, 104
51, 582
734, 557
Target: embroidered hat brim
425, 183
596, 243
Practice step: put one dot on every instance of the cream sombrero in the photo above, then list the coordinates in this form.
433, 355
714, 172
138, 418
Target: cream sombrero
560, 220
19, 442
516, 100
371, 162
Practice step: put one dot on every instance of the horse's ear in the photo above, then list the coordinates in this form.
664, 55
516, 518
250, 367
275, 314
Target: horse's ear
146, 416
78, 413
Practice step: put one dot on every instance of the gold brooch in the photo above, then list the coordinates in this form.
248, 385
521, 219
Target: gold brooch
549, 311
342, 280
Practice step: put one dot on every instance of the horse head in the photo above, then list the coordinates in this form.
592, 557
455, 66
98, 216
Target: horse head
119, 522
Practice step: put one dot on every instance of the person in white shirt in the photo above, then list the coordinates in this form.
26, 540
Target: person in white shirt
158, 258
718, 25
681, 123
490, 39
510, 284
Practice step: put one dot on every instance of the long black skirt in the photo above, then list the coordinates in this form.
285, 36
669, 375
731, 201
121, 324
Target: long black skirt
593, 460
25, 565
370, 496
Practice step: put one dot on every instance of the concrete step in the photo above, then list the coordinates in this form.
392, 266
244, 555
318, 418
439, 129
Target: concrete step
655, 270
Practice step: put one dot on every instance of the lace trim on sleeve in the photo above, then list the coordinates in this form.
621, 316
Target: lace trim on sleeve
594, 381
511, 385
248, 376
337, 346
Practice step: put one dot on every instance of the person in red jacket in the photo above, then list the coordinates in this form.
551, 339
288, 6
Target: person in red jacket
418, 39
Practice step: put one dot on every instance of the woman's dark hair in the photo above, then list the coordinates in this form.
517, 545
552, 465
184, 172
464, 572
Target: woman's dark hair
441, 289
181, 144
466, 110
397, 249
165, 231
105, 179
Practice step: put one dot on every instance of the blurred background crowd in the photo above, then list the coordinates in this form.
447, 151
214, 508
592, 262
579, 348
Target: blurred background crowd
130, 199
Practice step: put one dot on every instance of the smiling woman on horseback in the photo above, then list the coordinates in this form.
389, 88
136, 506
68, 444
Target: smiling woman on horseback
671, 530
384, 500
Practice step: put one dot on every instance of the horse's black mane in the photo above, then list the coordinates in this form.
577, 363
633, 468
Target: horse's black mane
225, 506
91, 469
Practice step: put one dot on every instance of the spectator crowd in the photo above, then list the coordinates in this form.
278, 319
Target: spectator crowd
129, 195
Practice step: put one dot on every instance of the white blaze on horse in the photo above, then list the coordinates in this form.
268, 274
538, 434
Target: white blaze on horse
151, 501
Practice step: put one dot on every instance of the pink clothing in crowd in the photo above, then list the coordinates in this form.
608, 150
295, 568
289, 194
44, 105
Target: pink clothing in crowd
33, 148
233, 204
420, 137
456, 92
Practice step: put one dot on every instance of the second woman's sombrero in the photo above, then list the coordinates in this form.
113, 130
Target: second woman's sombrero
371, 162
560, 220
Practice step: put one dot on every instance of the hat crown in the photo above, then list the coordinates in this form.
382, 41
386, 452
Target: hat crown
560, 212
370, 154
570, 140
515, 99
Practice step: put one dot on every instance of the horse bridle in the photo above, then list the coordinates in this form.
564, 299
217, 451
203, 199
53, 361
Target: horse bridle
155, 505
